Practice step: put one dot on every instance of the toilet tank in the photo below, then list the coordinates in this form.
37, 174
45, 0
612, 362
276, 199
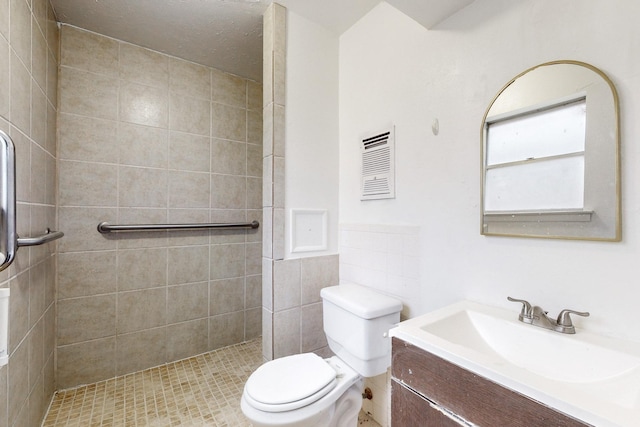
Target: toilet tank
357, 320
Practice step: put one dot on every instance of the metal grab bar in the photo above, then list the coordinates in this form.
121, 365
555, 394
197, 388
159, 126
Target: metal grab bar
105, 227
40, 240
9, 239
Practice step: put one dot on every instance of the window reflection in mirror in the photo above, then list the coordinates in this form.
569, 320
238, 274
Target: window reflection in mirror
550, 150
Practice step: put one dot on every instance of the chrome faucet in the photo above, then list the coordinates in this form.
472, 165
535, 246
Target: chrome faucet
536, 316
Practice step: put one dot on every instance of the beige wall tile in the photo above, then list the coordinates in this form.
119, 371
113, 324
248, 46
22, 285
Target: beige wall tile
254, 127
39, 8
226, 329
318, 273
267, 334
253, 291
38, 174
144, 66
227, 261
311, 328
254, 193
252, 323
142, 187
88, 94
138, 310
39, 53
88, 51
254, 258
53, 33
18, 389
143, 105
189, 114
188, 189
188, 264
189, 79
87, 184
4, 19
86, 362
228, 192
267, 131
23, 166
36, 352
79, 226
228, 157
189, 152
18, 310
142, 145
187, 302
279, 74
187, 339
286, 326
228, 122
254, 160
37, 284
286, 277
86, 318
141, 269
278, 130
254, 96
5, 78
86, 138
52, 79
20, 28
38, 115
20, 104
228, 89
226, 296
140, 350
86, 273
154, 133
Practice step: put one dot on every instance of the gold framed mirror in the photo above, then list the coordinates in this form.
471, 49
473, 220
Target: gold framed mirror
550, 156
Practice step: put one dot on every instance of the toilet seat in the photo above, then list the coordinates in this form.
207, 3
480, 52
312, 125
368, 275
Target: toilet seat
290, 383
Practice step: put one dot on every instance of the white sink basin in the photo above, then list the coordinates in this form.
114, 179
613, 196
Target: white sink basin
593, 378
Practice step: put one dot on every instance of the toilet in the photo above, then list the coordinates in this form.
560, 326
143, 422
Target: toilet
307, 390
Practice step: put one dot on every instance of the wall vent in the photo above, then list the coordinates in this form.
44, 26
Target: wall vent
377, 179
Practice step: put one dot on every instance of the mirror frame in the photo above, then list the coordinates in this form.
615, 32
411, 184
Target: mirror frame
618, 196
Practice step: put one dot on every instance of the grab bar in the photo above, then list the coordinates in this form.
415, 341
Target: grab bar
40, 240
105, 227
8, 245
9, 240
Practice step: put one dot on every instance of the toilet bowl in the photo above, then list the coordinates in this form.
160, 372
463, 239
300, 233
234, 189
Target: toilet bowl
304, 390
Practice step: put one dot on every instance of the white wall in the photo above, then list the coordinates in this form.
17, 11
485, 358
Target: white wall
311, 153
392, 70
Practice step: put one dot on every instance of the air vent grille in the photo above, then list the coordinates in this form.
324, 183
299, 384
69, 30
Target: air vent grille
378, 166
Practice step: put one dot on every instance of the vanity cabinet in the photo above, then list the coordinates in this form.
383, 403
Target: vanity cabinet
427, 390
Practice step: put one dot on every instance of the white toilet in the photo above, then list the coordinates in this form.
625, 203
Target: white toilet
306, 390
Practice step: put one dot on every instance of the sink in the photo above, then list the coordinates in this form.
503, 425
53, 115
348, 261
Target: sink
591, 377
551, 355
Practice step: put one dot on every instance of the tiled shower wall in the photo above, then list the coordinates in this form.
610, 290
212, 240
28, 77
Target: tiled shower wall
292, 307
148, 138
28, 92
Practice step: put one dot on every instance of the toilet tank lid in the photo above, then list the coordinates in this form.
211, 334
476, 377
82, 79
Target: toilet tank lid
361, 301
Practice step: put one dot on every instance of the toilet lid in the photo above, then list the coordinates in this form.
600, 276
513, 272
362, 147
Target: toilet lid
290, 382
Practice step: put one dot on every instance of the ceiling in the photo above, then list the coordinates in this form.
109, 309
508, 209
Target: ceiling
224, 34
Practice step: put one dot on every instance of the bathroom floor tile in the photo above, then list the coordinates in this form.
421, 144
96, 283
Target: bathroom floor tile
203, 390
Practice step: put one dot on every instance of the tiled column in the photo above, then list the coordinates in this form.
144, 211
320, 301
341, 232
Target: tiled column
274, 57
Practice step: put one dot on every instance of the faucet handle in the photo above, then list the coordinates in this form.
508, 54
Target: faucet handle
565, 320
526, 312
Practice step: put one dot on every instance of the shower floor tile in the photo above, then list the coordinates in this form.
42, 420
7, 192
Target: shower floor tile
204, 390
